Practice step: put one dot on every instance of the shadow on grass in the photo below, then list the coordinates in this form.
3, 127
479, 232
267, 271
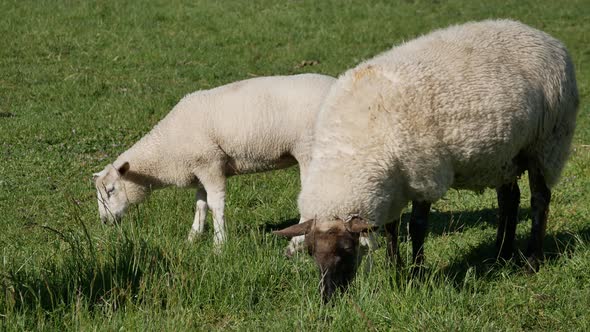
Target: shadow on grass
481, 260
442, 223
105, 279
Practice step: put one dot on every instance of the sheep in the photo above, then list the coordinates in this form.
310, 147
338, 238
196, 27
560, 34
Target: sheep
254, 125
472, 106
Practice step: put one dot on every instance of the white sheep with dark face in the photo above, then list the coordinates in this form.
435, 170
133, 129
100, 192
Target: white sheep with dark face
254, 125
471, 106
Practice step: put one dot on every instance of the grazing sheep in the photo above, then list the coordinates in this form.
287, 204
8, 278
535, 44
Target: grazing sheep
468, 107
254, 125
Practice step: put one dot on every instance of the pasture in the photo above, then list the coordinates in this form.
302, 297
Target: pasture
81, 81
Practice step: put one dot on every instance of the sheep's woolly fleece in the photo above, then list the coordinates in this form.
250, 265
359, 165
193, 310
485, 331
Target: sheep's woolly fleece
463, 107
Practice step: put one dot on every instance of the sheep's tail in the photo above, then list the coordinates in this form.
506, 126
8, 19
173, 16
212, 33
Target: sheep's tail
557, 124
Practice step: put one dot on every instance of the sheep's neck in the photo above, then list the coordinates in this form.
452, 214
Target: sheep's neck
150, 163
369, 192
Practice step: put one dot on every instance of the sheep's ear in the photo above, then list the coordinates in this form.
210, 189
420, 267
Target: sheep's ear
295, 230
95, 176
358, 225
123, 168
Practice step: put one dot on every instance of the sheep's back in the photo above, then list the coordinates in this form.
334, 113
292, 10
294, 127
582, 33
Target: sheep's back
257, 122
458, 107
485, 95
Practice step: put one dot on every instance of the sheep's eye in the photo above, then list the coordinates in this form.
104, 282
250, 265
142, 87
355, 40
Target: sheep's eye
110, 191
347, 249
347, 246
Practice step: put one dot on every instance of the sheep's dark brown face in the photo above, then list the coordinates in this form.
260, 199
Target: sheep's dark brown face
334, 245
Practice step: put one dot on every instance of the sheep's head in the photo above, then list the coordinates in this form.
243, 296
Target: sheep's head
112, 192
334, 246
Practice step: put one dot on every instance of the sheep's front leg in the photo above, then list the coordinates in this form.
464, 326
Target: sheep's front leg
200, 214
216, 202
508, 201
296, 243
418, 229
392, 230
540, 199
213, 180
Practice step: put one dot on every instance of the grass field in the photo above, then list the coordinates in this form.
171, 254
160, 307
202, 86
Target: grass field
81, 81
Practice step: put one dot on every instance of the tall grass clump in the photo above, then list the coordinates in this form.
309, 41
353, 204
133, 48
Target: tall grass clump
91, 272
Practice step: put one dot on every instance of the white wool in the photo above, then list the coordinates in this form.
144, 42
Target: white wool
254, 125
451, 109
248, 125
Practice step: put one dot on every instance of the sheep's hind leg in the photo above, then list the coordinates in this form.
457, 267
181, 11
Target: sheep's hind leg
540, 199
200, 214
418, 229
508, 201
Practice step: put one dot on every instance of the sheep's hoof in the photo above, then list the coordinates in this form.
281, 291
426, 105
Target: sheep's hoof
292, 249
532, 264
289, 252
192, 236
217, 248
395, 263
418, 272
505, 254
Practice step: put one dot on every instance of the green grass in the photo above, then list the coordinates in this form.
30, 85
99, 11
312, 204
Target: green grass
81, 81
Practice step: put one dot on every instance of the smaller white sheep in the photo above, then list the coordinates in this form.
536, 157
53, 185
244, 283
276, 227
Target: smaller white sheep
249, 126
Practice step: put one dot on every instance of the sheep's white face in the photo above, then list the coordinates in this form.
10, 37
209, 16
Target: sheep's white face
110, 190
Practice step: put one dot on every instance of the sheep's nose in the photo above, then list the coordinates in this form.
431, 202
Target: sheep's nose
327, 293
327, 288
